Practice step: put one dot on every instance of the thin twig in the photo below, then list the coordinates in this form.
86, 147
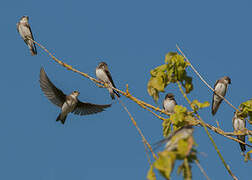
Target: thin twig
210, 137
201, 78
201, 169
138, 129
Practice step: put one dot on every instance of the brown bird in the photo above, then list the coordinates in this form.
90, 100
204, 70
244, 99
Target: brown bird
238, 125
220, 87
103, 74
68, 104
24, 30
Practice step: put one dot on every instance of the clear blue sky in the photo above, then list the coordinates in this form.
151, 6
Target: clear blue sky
132, 37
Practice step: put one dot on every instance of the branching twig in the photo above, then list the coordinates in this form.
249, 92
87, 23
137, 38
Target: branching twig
138, 129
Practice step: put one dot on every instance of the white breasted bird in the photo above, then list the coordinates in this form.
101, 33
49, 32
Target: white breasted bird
239, 124
169, 103
103, 74
68, 104
24, 30
220, 87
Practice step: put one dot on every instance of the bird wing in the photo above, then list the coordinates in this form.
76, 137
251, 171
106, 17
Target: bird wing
88, 108
55, 95
29, 28
110, 77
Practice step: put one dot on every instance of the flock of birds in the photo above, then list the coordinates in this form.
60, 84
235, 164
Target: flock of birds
71, 104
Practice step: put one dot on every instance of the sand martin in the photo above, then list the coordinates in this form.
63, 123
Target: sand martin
24, 30
238, 125
220, 87
103, 74
68, 103
173, 139
169, 103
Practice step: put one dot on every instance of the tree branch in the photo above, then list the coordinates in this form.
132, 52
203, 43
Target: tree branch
201, 78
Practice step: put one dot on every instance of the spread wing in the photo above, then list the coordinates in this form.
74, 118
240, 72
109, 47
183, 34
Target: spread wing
55, 95
88, 108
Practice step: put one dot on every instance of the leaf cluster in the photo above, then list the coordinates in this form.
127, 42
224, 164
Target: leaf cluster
172, 71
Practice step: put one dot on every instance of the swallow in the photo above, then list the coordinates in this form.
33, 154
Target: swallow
67, 103
238, 125
103, 74
24, 30
172, 140
220, 87
169, 103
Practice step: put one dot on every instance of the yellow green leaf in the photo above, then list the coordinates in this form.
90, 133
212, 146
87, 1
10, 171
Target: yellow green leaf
197, 105
151, 175
165, 163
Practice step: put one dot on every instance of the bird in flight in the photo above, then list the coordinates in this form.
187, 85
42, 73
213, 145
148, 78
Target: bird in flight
68, 103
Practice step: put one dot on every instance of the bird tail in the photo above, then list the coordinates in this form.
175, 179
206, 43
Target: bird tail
32, 48
61, 118
215, 107
113, 93
243, 147
116, 93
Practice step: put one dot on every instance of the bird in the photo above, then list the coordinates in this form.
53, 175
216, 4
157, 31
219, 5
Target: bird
220, 87
169, 103
24, 30
68, 103
172, 140
103, 74
238, 125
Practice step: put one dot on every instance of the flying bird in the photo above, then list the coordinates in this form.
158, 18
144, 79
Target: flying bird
220, 87
238, 125
24, 30
67, 103
103, 74
173, 139
169, 103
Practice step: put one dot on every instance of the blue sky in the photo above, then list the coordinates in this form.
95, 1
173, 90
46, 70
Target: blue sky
132, 37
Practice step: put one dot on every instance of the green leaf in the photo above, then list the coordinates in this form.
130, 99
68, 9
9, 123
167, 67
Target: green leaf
182, 148
250, 139
151, 175
165, 163
169, 56
166, 128
246, 109
196, 105
153, 92
178, 117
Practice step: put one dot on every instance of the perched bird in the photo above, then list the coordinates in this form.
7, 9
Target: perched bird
238, 125
24, 30
68, 103
169, 103
220, 87
103, 74
173, 139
